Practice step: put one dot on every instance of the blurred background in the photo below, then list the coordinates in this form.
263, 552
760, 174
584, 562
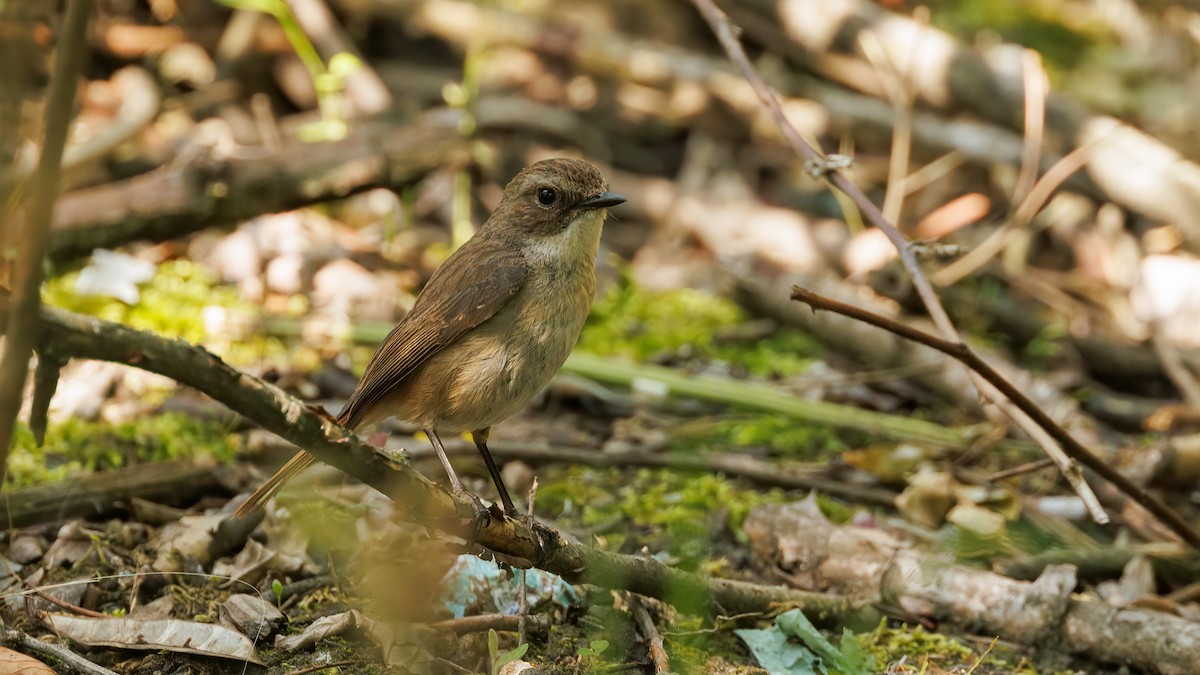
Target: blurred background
276, 180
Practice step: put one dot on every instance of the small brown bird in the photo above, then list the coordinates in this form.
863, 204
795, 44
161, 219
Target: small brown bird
493, 325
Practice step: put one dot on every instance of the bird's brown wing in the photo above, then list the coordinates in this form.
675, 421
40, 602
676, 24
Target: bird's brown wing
458, 297
439, 317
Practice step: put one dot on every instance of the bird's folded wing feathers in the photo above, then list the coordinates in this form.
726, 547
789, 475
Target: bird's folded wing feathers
478, 294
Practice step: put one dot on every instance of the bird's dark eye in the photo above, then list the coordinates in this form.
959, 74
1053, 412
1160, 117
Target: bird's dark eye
547, 196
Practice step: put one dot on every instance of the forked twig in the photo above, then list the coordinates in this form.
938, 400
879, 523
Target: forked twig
1030, 418
963, 353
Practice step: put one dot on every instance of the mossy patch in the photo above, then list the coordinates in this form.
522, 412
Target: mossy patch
177, 302
1043, 26
74, 446
172, 303
917, 646
671, 512
643, 325
779, 434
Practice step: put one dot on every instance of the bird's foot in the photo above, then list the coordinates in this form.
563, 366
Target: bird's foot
482, 514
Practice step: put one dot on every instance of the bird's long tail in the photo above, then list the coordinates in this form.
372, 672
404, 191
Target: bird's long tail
299, 462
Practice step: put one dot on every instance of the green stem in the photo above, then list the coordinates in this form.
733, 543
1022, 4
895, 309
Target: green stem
762, 397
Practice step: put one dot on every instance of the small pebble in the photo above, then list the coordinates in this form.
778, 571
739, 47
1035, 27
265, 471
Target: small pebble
26, 548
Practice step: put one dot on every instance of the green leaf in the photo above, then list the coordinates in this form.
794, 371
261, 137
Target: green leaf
795, 624
509, 656
854, 655
493, 649
776, 654
850, 658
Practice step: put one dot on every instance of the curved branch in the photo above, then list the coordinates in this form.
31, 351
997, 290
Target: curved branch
274, 410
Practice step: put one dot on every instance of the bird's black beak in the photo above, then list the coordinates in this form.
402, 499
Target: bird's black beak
602, 200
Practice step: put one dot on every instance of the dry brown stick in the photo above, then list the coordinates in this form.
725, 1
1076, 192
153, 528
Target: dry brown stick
968, 357
73, 662
83, 611
1041, 192
613, 55
100, 494
725, 33
802, 541
1130, 167
1036, 86
208, 189
821, 167
20, 336
654, 641
498, 622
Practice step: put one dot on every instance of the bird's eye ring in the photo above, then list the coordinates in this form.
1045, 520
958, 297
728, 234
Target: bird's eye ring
547, 196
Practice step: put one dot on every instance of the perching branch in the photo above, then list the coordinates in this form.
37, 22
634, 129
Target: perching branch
274, 410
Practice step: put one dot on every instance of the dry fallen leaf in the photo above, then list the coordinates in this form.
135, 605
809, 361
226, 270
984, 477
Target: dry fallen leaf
189, 637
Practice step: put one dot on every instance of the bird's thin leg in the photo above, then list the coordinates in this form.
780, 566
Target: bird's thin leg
480, 437
455, 484
482, 516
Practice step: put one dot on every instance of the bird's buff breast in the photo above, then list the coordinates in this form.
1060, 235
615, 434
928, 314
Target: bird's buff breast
495, 369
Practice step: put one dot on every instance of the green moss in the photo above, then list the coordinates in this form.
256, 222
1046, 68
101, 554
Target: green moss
74, 446
694, 646
780, 434
690, 324
1043, 26
916, 645
1047, 347
663, 508
642, 325
173, 304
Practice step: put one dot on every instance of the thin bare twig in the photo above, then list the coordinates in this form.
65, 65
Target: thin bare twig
968, 357
901, 96
1173, 365
27, 279
1036, 87
73, 662
1029, 207
82, 611
1020, 470
724, 31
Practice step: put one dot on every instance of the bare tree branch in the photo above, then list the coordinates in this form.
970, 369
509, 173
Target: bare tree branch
27, 280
